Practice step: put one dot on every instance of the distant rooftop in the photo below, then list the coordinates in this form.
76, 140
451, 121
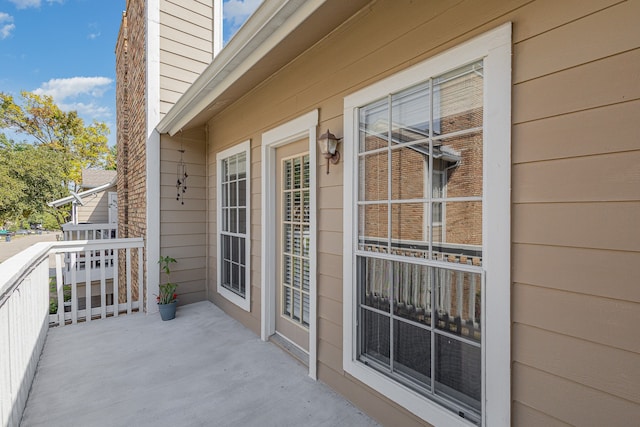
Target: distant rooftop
92, 178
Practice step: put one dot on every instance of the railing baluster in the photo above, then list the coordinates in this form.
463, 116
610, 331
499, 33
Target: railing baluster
60, 289
74, 289
128, 280
87, 285
140, 279
116, 290
103, 287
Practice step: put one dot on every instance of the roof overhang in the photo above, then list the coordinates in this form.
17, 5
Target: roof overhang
277, 32
69, 199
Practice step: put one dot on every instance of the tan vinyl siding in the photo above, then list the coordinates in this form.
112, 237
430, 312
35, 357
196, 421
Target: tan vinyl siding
96, 208
575, 190
186, 43
183, 227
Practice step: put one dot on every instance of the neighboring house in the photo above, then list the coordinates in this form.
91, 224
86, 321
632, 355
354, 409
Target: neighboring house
471, 259
96, 202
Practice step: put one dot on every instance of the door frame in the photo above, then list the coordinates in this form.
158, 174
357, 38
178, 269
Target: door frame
301, 127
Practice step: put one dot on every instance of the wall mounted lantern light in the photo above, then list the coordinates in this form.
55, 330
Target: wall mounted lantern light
328, 143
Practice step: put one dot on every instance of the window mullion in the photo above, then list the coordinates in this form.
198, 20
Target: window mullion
430, 243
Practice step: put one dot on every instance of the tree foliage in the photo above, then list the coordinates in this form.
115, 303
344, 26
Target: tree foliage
37, 116
31, 176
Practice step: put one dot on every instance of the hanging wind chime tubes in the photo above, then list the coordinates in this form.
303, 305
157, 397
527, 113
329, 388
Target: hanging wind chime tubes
181, 178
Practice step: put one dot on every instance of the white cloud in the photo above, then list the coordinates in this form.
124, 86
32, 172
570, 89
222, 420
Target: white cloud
24, 4
61, 89
91, 109
6, 25
93, 36
237, 11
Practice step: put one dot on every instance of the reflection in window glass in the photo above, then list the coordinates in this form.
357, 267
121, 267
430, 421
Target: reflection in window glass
419, 219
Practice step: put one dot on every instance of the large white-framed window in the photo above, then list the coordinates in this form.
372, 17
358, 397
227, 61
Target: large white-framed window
233, 219
427, 234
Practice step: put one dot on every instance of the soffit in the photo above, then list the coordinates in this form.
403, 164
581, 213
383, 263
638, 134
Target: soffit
251, 57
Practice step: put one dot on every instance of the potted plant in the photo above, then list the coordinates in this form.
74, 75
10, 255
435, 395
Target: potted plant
167, 299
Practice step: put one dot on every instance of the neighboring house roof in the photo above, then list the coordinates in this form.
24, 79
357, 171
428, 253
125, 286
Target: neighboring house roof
69, 199
92, 178
276, 33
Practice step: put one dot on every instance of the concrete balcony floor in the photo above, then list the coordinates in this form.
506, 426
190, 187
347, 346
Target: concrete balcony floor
201, 369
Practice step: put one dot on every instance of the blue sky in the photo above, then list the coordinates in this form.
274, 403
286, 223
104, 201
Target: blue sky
65, 48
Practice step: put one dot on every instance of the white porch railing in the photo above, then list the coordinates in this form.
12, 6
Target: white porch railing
89, 231
25, 296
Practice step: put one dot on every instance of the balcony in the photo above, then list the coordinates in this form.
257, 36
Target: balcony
115, 366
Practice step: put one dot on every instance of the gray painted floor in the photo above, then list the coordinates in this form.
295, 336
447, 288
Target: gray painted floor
201, 369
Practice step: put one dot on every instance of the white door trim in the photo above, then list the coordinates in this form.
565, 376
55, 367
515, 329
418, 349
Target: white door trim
301, 127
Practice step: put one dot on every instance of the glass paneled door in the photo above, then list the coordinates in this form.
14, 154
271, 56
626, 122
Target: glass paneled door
293, 229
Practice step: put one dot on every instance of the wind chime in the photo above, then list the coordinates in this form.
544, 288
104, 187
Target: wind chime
181, 178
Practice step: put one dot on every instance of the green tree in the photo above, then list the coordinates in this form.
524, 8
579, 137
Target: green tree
81, 146
31, 176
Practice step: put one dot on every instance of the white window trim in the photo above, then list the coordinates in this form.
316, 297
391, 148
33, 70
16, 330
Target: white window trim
494, 47
244, 303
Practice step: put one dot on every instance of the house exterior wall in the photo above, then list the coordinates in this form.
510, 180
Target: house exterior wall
186, 46
95, 208
132, 126
575, 190
183, 231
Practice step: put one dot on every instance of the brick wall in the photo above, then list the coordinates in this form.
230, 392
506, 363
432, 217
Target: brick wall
132, 126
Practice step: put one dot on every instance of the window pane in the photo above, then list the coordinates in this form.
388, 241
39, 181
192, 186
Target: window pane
458, 371
373, 275
296, 305
297, 172
305, 275
297, 240
460, 236
234, 277
288, 173
287, 270
410, 228
462, 161
412, 352
458, 99
375, 337
373, 228
305, 172
373, 176
233, 220
458, 302
242, 220
242, 251
242, 192
305, 309
410, 112
296, 272
242, 165
409, 166
233, 193
374, 126
306, 207
242, 278
412, 291
286, 300
306, 236
226, 244
288, 238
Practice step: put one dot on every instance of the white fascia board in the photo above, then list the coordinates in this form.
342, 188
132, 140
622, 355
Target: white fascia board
272, 22
69, 199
